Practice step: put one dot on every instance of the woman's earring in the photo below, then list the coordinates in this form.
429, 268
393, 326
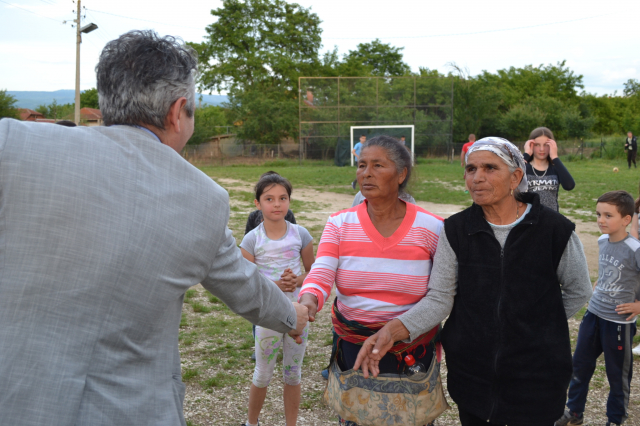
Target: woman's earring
512, 192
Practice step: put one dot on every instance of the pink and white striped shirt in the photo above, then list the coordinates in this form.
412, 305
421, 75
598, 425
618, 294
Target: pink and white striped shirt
377, 278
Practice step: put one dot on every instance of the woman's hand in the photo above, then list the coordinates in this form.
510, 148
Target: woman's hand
528, 148
553, 148
377, 346
632, 309
311, 302
372, 351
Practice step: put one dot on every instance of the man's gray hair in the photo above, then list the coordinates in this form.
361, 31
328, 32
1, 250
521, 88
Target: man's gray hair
140, 75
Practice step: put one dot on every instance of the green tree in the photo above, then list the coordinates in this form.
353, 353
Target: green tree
209, 120
256, 50
515, 84
8, 105
379, 58
256, 43
631, 87
89, 99
520, 120
57, 111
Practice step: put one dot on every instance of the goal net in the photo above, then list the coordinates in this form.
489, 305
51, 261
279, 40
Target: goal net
395, 131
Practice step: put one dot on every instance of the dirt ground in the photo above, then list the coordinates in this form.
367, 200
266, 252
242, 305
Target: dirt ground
230, 407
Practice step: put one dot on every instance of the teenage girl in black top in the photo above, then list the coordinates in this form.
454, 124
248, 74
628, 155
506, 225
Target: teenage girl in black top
545, 171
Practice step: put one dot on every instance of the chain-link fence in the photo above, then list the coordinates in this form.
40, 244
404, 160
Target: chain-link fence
330, 106
228, 151
231, 151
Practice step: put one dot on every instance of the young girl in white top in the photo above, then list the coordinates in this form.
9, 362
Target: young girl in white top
277, 247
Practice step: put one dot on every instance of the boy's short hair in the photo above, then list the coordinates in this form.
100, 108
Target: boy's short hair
623, 201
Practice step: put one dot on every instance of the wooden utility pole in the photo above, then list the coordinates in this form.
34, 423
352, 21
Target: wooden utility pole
78, 41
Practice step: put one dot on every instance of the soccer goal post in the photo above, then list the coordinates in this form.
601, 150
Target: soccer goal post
370, 131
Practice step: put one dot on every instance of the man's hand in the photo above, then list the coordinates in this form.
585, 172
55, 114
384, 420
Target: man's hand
302, 318
311, 302
632, 309
553, 148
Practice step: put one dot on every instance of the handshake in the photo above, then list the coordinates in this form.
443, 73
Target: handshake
302, 318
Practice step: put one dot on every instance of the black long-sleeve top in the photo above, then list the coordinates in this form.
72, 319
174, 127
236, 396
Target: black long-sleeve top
546, 183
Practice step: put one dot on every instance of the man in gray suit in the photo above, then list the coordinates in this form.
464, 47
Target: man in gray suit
102, 230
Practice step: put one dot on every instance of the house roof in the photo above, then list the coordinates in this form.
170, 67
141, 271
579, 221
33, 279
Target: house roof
26, 113
90, 114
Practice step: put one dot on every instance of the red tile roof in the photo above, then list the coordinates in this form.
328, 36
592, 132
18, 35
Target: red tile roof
27, 114
90, 114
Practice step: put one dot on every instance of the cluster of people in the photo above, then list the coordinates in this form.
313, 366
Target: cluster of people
102, 231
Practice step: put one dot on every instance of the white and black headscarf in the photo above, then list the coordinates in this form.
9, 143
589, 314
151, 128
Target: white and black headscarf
507, 152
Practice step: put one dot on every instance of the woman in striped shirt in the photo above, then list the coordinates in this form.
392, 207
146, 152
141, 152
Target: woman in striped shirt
379, 254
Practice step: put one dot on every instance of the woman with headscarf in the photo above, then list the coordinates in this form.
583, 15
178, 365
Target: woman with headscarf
506, 339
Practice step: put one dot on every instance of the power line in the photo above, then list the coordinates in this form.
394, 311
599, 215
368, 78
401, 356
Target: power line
138, 19
475, 32
30, 11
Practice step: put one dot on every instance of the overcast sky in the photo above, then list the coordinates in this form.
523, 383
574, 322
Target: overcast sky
598, 39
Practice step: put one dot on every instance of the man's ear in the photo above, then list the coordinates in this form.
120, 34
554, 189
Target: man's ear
172, 121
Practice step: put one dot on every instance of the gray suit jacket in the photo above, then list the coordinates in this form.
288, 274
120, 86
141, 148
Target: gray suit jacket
102, 230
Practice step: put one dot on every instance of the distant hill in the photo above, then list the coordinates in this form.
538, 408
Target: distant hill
31, 100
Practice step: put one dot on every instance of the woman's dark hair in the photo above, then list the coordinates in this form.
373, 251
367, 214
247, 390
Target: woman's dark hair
269, 179
397, 153
541, 131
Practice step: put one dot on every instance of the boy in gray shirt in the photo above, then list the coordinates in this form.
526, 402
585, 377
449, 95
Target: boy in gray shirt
610, 322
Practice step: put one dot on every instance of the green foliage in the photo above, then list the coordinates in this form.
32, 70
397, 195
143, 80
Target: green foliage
267, 115
56, 111
631, 87
518, 122
89, 99
256, 50
380, 58
258, 42
516, 84
208, 121
8, 105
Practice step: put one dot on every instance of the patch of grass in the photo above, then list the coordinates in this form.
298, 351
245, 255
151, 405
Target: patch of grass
189, 373
199, 307
220, 380
311, 399
212, 298
438, 181
190, 294
184, 322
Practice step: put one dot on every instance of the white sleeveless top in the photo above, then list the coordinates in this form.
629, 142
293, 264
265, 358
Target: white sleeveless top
272, 257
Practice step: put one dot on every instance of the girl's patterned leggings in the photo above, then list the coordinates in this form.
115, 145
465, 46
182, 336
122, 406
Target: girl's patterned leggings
268, 344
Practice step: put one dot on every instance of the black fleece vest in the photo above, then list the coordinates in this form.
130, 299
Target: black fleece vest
507, 340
